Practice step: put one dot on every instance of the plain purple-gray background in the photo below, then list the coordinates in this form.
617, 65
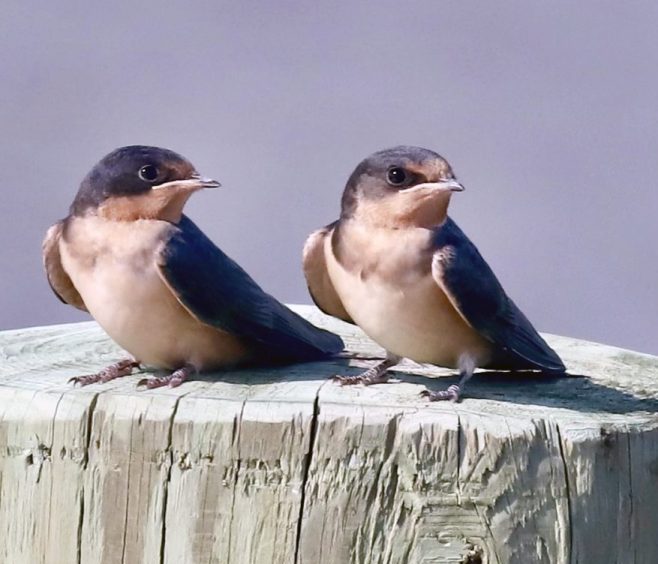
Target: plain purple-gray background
548, 112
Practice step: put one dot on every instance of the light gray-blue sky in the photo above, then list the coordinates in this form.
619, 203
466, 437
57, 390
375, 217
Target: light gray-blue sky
548, 113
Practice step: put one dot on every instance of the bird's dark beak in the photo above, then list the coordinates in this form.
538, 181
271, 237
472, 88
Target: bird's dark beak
205, 182
448, 185
195, 182
451, 185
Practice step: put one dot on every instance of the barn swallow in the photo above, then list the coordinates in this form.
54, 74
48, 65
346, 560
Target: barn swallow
397, 266
157, 285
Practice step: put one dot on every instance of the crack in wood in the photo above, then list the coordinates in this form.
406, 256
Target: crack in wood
631, 526
85, 461
560, 444
235, 437
165, 486
128, 483
308, 457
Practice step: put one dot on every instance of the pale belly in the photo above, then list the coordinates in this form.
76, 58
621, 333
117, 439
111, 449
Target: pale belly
413, 319
124, 292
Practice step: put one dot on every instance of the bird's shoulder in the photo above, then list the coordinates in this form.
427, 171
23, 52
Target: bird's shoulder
313, 251
459, 268
59, 280
319, 282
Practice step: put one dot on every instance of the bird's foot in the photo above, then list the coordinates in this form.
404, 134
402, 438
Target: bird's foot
173, 380
367, 378
453, 393
377, 374
116, 370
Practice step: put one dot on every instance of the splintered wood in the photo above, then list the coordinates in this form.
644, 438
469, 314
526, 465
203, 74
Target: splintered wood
284, 466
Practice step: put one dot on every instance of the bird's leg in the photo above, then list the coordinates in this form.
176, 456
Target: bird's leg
377, 374
453, 393
173, 380
116, 370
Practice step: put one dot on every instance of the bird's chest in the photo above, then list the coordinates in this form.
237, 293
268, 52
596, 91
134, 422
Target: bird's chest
113, 265
385, 283
382, 280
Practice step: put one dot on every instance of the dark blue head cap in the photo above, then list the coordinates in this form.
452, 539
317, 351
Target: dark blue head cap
129, 171
392, 169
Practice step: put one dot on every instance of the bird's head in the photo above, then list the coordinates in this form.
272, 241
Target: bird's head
399, 187
139, 182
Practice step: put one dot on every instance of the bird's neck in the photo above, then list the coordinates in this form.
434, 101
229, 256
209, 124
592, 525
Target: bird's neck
165, 207
399, 213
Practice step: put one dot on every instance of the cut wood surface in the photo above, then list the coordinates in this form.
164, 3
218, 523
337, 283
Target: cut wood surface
285, 466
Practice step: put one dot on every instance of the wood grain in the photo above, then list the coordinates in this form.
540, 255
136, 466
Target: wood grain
284, 466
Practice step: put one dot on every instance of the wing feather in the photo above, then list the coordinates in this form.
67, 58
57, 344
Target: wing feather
472, 287
217, 291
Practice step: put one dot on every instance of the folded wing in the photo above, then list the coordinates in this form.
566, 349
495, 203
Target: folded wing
475, 292
218, 292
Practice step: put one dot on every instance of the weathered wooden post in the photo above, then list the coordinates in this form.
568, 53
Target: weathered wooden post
284, 466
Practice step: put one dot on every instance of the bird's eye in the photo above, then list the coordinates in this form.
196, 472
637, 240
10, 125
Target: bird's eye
148, 173
396, 176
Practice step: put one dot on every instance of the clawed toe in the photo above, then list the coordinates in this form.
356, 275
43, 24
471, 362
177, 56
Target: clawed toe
158, 382
378, 374
172, 380
367, 378
345, 380
84, 380
151, 383
453, 393
116, 370
349, 380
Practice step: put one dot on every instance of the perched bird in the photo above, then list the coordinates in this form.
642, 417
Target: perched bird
398, 267
157, 285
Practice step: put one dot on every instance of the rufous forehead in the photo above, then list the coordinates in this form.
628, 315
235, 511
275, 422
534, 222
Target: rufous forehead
431, 169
